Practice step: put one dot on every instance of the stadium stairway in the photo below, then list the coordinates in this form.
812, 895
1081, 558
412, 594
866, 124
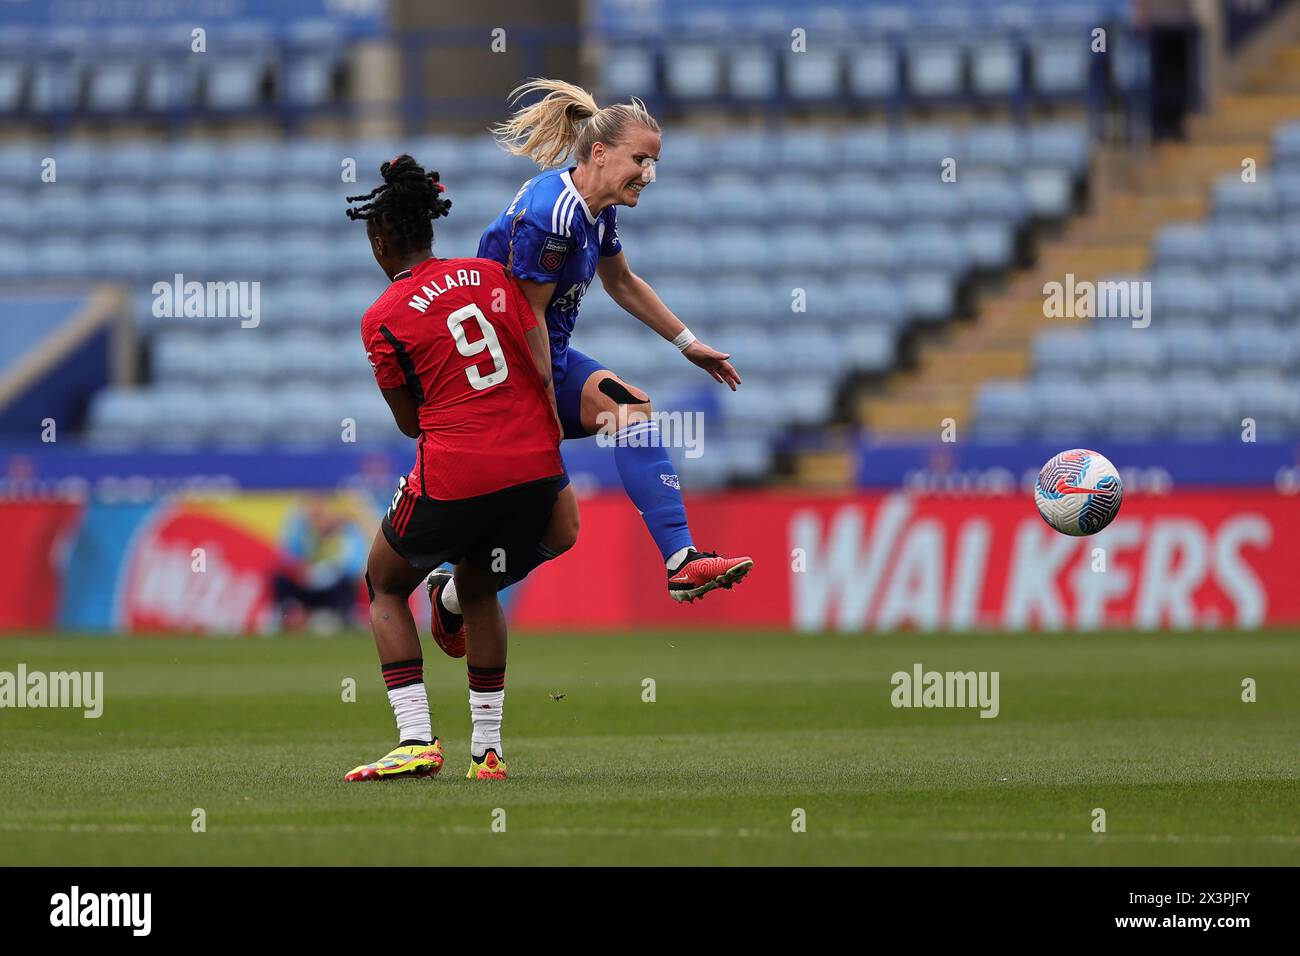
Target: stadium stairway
1135, 192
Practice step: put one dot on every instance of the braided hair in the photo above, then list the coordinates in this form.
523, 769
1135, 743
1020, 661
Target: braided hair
404, 206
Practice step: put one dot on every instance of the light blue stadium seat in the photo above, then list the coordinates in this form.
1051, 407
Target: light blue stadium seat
304, 253
992, 197
1133, 408
865, 199
1187, 245
243, 207
924, 149
63, 208
1060, 62
735, 247
869, 350
934, 248
1069, 352
1065, 412
243, 416
19, 162
244, 254
628, 70
1192, 349
1123, 349
801, 198
864, 247
15, 259
934, 66
1200, 406
188, 160
930, 294
119, 416
811, 348
995, 66
182, 251
1181, 292
1254, 291
872, 300
873, 70
999, 146
672, 249
126, 208
308, 206
989, 245
1286, 145
741, 300
1049, 192
873, 148
121, 255
815, 74
924, 200
179, 357
1249, 246
60, 255
811, 149
183, 416
134, 162
181, 207
306, 416
800, 247
1273, 401
1232, 197
1059, 145
1262, 347
693, 72
252, 160
1005, 410
808, 402
78, 162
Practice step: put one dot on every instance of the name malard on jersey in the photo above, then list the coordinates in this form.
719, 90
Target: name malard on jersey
454, 280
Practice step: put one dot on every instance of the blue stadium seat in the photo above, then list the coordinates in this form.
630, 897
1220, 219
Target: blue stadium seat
864, 247
866, 199
873, 71
935, 66
1005, 410
1187, 245
1059, 62
815, 74
1133, 407
693, 72
997, 145
996, 68
628, 70
1200, 407
1192, 349
1067, 352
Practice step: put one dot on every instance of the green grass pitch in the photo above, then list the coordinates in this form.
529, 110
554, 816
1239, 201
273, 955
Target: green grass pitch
744, 729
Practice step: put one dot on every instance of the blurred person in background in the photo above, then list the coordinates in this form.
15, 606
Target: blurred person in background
325, 553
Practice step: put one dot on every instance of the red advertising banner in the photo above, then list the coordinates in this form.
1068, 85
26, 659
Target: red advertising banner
36, 539
885, 562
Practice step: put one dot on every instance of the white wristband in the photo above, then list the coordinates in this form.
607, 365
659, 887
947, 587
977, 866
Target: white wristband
684, 339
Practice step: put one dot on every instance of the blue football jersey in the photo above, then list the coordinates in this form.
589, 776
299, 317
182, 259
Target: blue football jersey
547, 234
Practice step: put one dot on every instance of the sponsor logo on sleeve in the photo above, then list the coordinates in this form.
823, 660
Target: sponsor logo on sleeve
553, 253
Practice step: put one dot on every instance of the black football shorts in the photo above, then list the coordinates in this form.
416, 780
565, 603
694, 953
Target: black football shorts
489, 530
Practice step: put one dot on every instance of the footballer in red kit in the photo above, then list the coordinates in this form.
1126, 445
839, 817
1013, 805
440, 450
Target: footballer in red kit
465, 368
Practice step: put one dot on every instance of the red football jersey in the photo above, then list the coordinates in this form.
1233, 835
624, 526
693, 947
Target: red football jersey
452, 330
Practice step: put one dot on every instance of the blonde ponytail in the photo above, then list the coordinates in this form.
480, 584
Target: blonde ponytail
565, 122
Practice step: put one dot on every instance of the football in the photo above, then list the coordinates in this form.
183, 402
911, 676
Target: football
1078, 492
